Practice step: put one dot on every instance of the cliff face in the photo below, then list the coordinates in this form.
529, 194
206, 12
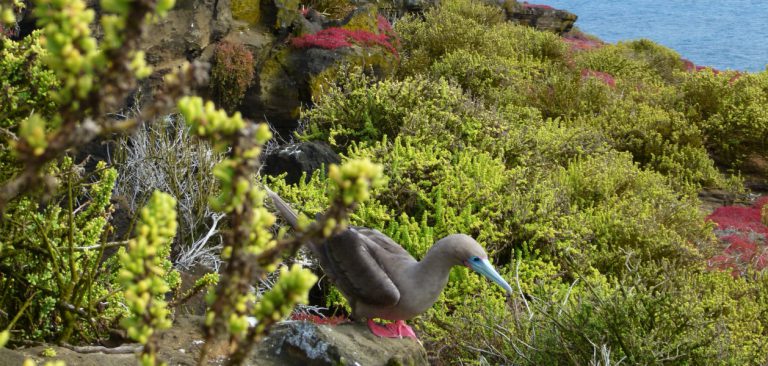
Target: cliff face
296, 48
542, 17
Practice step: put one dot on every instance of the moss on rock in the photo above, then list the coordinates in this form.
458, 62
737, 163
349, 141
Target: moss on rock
247, 10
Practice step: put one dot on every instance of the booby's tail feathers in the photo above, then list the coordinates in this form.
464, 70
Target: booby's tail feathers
283, 208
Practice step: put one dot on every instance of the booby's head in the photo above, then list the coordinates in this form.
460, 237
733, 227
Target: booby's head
482, 266
469, 253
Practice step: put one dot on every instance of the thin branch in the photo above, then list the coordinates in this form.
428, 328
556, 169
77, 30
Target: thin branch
567, 295
520, 289
105, 245
8, 133
188, 295
21, 311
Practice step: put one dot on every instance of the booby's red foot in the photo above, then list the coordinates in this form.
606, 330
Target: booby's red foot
402, 329
397, 329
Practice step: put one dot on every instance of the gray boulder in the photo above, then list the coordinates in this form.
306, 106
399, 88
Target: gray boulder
541, 17
303, 343
299, 159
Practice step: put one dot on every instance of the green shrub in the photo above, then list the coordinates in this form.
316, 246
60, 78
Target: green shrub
704, 94
664, 61
631, 241
483, 75
619, 210
561, 92
439, 152
459, 25
26, 84
587, 215
658, 314
56, 284
659, 139
52, 257
641, 60
433, 111
731, 110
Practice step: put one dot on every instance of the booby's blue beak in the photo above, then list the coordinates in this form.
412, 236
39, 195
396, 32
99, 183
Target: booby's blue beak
485, 268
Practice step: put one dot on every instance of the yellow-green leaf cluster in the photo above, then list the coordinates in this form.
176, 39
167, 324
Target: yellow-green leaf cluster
291, 288
355, 178
143, 269
208, 121
72, 52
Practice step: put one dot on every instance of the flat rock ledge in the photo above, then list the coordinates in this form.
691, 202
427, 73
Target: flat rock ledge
290, 343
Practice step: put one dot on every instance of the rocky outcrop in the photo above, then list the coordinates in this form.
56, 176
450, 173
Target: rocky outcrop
187, 30
297, 71
398, 8
304, 343
289, 343
299, 159
542, 17
295, 50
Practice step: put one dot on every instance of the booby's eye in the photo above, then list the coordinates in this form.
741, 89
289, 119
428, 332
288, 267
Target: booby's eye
475, 259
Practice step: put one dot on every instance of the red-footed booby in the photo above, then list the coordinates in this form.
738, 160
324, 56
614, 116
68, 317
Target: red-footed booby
382, 280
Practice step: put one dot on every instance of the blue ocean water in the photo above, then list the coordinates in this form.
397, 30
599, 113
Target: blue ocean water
724, 34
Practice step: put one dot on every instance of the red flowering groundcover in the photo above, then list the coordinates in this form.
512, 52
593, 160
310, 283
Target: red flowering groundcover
335, 37
599, 75
744, 235
317, 319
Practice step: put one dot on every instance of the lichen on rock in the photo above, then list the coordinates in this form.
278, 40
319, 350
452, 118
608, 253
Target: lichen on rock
247, 10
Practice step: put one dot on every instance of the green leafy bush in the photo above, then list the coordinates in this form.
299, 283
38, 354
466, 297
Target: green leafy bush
641, 60
441, 156
52, 256
617, 210
27, 86
660, 139
471, 26
664, 61
430, 111
689, 316
732, 111
628, 240
55, 282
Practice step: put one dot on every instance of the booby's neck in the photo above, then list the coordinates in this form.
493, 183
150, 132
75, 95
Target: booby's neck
431, 273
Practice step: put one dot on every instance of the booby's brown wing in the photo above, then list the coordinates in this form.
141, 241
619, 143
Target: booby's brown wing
359, 260
384, 242
357, 265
